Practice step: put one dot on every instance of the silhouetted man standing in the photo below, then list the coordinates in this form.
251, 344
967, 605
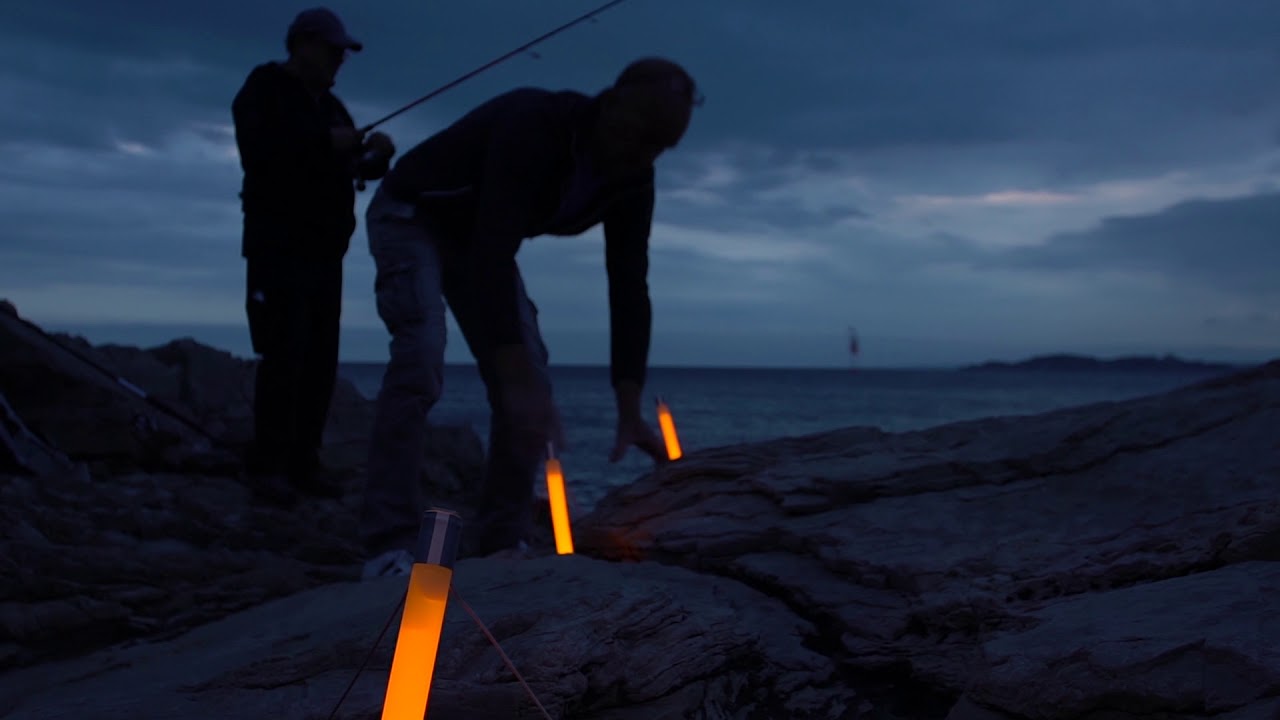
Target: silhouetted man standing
445, 226
301, 154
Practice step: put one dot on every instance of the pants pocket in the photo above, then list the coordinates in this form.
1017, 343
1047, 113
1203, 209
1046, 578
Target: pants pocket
400, 296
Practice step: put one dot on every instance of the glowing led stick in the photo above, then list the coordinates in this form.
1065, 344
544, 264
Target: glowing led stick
419, 640
668, 431
558, 499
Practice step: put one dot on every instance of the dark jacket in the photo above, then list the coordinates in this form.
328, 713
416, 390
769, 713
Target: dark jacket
505, 172
297, 197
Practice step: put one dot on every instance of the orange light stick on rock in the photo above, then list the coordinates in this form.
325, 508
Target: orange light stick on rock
414, 661
558, 499
668, 425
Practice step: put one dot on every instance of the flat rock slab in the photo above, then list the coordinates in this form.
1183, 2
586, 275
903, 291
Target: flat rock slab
1203, 645
593, 639
917, 549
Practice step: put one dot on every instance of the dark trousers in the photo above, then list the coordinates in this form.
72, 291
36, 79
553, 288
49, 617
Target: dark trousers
294, 307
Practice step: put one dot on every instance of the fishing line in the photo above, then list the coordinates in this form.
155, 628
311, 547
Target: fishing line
130, 387
454, 83
360, 183
483, 628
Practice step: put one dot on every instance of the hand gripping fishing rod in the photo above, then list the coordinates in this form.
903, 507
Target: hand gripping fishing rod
496, 61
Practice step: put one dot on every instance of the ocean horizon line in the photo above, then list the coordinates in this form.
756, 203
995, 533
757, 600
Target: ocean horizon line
605, 366
233, 340
1102, 363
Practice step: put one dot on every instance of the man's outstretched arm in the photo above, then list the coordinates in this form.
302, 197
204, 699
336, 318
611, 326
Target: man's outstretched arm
626, 259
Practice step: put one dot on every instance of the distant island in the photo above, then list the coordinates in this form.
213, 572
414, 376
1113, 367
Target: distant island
1085, 363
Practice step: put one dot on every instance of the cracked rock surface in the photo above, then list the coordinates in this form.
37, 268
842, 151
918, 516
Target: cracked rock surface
592, 639
928, 555
1206, 644
1111, 562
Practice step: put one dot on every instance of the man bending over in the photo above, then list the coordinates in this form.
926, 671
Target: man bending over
445, 226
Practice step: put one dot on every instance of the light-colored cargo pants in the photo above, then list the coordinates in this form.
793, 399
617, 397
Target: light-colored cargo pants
412, 286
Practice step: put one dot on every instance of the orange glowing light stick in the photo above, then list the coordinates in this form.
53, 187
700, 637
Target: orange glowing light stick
669, 431
558, 499
419, 640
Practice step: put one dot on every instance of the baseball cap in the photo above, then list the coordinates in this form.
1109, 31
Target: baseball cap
323, 23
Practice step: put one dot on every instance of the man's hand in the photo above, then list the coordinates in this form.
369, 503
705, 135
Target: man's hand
375, 157
632, 429
345, 139
635, 431
379, 146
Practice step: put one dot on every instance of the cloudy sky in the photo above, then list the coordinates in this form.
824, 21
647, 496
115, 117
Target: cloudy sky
957, 180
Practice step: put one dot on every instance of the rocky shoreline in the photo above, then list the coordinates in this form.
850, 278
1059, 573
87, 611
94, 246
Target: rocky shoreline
1116, 561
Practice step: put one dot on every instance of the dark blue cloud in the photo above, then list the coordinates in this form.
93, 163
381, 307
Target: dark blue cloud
833, 74
114, 173
1227, 245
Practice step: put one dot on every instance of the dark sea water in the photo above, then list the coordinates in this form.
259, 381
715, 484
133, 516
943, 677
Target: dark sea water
714, 407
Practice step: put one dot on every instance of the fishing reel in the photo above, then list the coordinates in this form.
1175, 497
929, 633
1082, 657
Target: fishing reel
367, 157
523, 49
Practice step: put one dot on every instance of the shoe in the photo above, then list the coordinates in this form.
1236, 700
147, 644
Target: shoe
393, 563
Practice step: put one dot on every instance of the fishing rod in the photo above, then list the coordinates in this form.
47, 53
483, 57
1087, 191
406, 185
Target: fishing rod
133, 389
360, 183
581, 18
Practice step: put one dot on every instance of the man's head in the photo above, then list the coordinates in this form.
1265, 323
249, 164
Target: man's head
645, 112
318, 43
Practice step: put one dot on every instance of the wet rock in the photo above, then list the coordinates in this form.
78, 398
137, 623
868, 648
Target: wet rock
916, 551
592, 639
1201, 645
